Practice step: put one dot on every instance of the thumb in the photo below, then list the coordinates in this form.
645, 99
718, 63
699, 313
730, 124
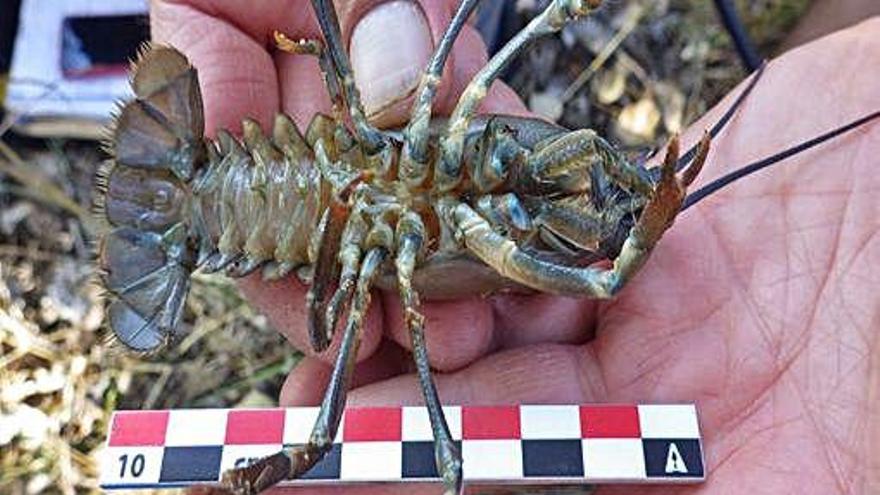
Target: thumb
390, 45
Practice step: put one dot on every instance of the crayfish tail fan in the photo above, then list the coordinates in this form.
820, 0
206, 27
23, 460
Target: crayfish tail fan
147, 254
146, 281
163, 127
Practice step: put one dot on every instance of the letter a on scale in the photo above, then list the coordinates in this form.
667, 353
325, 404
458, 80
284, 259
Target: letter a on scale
674, 460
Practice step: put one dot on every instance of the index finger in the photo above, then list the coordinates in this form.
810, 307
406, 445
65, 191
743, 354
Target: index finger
228, 44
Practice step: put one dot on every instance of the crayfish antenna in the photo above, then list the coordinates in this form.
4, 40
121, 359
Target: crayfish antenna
725, 119
756, 166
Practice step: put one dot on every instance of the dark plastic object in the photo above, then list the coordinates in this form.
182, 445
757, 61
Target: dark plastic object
749, 55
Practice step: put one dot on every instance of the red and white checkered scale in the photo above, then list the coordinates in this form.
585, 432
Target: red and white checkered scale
499, 444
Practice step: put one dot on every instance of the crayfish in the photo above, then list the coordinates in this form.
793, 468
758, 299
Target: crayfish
515, 203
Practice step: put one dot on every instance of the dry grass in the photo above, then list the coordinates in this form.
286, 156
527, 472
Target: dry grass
59, 378
59, 381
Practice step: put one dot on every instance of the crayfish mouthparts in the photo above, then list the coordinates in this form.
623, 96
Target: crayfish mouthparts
483, 204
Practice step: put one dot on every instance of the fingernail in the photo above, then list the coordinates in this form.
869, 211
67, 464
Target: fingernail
390, 47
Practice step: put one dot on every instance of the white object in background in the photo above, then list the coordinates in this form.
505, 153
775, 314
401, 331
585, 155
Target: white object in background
38, 95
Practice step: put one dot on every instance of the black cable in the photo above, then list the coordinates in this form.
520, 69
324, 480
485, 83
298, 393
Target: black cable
744, 46
686, 159
739, 173
722, 122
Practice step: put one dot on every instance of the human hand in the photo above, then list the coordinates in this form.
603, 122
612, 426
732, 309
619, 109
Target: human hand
757, 304
241, 76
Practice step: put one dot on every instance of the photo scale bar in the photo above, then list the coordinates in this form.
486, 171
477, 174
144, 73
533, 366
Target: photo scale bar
499, 444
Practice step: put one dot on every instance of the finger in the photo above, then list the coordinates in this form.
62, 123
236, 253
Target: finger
459, 332
502, 99
530, 319
230, 43
256, 19
456, 332
282, 303
303, 91
546, 373
236, 74
305, 385
391, 44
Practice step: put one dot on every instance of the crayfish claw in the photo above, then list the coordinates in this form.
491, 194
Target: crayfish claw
690, 174
665, 202
671, 159
259, 476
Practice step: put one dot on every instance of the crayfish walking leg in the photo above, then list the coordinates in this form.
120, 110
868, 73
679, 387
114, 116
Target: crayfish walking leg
295, 461
508, 259
409, 236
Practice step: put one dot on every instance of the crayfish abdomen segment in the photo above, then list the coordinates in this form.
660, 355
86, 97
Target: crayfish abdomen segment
173, 201
262, 198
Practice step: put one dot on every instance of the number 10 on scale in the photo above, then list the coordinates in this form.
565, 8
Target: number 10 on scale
133, 466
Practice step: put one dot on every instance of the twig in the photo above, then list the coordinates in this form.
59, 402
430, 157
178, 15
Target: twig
42, 187
157, 388
29, 253
279, 367
629, 24
202, 330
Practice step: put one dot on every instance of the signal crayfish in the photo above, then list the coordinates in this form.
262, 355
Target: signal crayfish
517, 203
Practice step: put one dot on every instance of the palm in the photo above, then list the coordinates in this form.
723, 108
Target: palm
757, 307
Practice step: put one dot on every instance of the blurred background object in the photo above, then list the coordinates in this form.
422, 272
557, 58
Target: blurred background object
8, 27
67, 67
69, 64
